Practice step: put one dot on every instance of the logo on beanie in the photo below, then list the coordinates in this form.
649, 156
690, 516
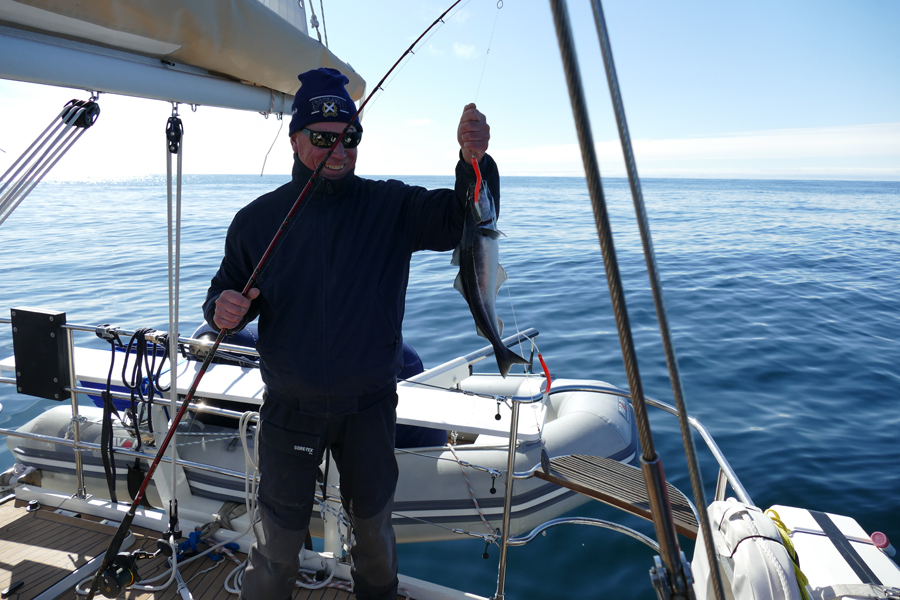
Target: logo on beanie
329, 106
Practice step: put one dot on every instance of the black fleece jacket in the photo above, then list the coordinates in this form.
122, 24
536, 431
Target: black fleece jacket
332, 295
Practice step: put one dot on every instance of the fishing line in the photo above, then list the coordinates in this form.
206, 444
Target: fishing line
408, 57
534, 346
486, 54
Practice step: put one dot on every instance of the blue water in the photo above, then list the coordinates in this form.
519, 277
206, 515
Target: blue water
782, 297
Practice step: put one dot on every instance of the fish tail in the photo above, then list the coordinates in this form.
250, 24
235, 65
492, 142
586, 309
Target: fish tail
505, 361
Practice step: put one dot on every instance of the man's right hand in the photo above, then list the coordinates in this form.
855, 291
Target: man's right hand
231, 307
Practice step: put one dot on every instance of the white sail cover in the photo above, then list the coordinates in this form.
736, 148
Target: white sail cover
241, 39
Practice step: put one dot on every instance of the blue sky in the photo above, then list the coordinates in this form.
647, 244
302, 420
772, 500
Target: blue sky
794, 89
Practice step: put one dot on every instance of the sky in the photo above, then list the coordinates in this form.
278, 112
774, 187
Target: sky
771, 89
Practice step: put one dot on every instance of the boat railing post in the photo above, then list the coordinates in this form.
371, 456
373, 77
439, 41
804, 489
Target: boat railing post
507, 500
332, 510
80, 491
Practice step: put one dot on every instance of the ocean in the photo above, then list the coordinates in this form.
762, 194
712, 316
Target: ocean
782, 297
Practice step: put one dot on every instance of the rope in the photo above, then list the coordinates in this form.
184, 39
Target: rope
785, 534
106, 427
314, 21
266, 158
32, 166
135, 383
471, 491
174, 145
324, 27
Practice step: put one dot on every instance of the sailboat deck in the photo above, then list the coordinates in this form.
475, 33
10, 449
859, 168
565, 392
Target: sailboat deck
43, 547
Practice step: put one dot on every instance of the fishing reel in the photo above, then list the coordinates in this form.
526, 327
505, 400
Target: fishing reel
123, 570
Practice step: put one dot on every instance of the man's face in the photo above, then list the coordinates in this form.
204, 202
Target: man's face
342, 159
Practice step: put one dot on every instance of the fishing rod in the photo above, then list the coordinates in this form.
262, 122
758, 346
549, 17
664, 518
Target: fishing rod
114, 575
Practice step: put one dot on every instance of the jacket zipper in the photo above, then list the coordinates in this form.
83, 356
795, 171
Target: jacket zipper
323, 245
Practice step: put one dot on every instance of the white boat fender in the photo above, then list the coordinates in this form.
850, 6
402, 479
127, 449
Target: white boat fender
753, 561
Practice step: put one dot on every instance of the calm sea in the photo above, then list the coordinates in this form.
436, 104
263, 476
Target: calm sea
783, 297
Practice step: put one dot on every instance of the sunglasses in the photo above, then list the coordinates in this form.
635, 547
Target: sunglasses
326, 139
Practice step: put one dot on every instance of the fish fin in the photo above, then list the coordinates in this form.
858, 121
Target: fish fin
491, 233
480, 332
499, 233
454, 260
500, 326
501, 278
458, 285
505, 361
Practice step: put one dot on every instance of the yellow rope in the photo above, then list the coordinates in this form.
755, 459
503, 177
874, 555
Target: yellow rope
792, 553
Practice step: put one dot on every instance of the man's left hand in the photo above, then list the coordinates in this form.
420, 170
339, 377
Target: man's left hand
473, 133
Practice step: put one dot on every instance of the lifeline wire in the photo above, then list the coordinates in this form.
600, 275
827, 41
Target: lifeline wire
471, 491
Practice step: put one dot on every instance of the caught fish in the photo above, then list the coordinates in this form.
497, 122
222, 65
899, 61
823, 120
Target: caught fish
480, 273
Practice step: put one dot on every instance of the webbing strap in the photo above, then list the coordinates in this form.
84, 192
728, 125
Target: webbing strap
106, 428
846, 550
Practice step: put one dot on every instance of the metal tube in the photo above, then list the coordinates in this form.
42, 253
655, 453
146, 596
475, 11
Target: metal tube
653, 478
181, 340
522, 540
76, 422
507, 501
721, 485
43, 59
717, 453
124, 452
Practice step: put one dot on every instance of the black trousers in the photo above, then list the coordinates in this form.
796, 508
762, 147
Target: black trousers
290, 451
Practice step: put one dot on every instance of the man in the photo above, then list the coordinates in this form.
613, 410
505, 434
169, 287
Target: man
330, 302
